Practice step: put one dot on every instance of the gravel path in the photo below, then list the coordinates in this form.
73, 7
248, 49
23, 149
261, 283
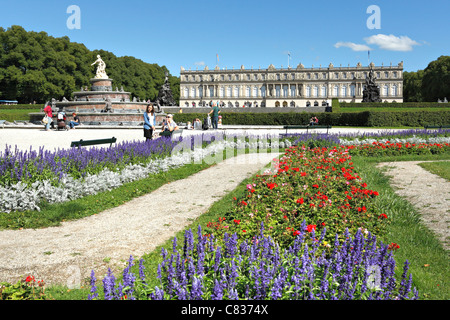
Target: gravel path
427, 192
67, 254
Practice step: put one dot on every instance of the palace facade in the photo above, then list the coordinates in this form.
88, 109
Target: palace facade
288, 87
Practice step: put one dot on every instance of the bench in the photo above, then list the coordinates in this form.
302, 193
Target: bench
2, 123
307, 127
437, 127
83, 143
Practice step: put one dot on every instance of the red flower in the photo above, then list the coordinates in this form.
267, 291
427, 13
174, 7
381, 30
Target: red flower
303, 174
237, 221
30, 278
393, 246
311, 227
300, 200
382, 216
272, 185
244, 203
296, 233
315, 186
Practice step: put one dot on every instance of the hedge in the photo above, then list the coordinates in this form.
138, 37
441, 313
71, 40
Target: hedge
394, 105
356, 119
21, 106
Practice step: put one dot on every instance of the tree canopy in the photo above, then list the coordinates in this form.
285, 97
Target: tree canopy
430, 84
37, 67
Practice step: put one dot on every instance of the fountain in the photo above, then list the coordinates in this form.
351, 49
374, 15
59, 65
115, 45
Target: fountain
101, 105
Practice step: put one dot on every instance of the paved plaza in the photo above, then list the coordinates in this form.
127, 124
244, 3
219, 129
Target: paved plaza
36, 137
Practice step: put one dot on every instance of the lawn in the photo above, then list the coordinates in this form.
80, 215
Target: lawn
441, 168
17, 114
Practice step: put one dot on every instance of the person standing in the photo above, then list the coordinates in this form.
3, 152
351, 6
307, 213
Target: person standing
149, 122
49, 116
215, 116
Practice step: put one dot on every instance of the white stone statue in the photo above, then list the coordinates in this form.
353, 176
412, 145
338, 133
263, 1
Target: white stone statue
101, 73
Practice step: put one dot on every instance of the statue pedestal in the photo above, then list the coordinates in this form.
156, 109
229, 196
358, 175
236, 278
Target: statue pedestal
101, 84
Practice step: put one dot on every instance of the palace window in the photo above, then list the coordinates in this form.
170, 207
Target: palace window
277, 91
344, 91
263, 91
255, 91
316, 91
336, 91
186, 92
247, 92
293, 91
229, 92
394, 90
193, 93
222, 92
285, 90
323, 91
352, 90
308, 91
385, 90
236, 92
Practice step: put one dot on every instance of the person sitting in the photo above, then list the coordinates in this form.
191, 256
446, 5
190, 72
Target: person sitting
169, 125
197, 124
75, 122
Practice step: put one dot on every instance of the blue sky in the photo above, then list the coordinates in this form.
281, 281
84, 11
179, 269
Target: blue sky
190, 33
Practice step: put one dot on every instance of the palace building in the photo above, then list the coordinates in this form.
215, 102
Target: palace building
289, 87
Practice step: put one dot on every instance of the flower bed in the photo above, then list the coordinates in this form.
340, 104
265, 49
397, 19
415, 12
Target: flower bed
316, 185
305, 229
66, 175
205, 269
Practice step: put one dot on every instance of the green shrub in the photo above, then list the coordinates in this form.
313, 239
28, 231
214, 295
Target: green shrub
394, 105
358, 119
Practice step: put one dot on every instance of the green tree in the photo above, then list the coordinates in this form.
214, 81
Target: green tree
412, 86
436, 80
37, 67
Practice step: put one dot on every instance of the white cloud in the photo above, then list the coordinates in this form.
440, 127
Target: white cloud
391, 42
200, 63
353, 46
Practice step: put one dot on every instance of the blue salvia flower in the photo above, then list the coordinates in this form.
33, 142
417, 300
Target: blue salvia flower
94, 293
141, 270
217, 293
109, 283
